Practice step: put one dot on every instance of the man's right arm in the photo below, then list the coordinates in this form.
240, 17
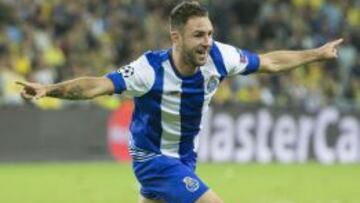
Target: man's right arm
134, 80
77, 89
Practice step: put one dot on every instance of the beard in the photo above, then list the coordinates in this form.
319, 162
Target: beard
191, 56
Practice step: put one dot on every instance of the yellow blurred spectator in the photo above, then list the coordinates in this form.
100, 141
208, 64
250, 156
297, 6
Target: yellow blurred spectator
353, 16
223, 93
22, 64
46, 9
315, 4
249, 94
54, 57
48, 103
108, 102
315, 75
10, 91
356, 86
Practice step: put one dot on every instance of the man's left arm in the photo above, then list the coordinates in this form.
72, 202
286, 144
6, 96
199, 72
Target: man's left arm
280, 61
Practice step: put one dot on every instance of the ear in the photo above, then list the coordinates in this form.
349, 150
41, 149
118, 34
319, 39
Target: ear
175, 36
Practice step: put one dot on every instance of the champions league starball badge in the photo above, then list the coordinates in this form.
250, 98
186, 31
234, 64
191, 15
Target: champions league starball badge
126, 71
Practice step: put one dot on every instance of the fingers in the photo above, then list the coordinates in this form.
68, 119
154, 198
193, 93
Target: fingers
331, 48
30, 85
31, 90
26, 96
337, 42
24, 84
39, 95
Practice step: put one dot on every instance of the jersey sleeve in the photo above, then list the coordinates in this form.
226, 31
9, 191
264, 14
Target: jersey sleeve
134, 79
238, 61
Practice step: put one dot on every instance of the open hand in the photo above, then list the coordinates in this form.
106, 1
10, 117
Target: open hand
32, 90
330, 49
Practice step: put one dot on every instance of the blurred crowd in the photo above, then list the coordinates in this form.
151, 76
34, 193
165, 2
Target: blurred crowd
48, 41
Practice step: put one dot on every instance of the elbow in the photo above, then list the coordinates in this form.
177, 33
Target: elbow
96, 91
274, 68
91, 94
267, 65
270, 67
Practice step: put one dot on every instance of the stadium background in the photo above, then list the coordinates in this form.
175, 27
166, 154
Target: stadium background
49, 41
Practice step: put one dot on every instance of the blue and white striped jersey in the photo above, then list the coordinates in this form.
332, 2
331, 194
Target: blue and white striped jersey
169, 108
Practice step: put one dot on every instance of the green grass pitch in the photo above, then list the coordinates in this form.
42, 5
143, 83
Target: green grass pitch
109, 182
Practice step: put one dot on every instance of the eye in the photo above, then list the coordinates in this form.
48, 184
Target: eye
198, 34
203, 34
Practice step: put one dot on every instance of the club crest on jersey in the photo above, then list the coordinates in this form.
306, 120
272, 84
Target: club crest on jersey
212, 84
191, 184
126, 71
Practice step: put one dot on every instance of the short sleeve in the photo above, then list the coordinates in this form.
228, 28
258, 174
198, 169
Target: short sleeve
134, 79
238, 61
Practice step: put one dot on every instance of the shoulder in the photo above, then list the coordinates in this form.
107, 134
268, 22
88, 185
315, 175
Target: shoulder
149, 61
233, 60
223, 48
224, 52
156, 58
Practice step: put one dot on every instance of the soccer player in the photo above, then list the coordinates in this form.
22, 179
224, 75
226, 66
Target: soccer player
172, 90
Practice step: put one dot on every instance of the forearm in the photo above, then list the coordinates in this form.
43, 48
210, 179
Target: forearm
280, 61
76, 89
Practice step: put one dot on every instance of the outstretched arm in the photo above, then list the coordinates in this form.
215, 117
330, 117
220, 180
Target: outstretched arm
280, 61
76, 89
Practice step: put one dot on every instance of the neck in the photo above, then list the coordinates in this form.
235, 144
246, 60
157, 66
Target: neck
181, 64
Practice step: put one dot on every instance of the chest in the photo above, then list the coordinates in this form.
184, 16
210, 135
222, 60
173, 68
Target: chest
190, 91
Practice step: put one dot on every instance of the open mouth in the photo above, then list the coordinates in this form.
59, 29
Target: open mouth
201, 52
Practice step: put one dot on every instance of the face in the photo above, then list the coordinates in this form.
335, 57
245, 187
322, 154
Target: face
195, 40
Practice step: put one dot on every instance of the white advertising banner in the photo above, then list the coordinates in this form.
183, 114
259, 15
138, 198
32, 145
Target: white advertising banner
263, 135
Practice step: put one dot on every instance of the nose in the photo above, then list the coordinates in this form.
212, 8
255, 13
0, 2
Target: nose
207, 41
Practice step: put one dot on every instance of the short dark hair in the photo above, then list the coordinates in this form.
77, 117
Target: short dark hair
181, 13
